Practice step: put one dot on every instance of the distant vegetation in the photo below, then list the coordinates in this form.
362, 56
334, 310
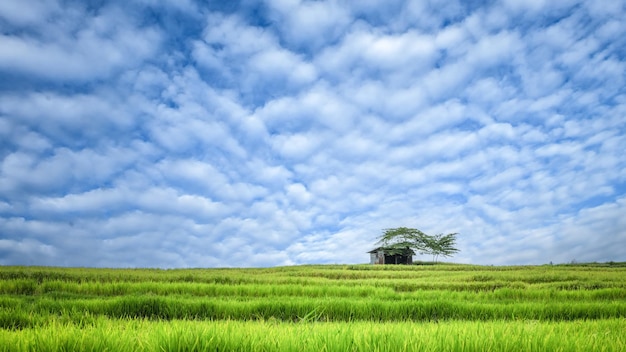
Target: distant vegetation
315, 308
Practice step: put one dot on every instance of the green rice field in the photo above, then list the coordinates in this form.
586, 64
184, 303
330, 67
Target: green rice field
443, 307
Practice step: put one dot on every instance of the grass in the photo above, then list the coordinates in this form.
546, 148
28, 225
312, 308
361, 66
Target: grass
319, 307
230, 335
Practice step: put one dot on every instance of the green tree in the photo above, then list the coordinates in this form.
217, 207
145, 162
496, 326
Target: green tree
441, 245
396, 240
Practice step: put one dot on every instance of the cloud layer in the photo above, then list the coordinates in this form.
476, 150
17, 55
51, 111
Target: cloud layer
180, 134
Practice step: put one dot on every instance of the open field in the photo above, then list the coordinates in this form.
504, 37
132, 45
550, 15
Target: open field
314, 308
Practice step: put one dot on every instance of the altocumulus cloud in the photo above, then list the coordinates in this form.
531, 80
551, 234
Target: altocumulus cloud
260, 133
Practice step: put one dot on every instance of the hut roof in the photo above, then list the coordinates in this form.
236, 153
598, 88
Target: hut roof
406, 250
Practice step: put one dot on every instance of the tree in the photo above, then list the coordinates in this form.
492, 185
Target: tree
441, 245
396, 240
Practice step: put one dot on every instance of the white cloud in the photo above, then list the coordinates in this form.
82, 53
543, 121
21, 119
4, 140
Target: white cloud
297, 146
21, 14
250, 57
309, 24
204, 178
83, 48
22, 252
66, 117
275, 64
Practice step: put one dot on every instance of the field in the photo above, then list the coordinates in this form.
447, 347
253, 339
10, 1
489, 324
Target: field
441, 307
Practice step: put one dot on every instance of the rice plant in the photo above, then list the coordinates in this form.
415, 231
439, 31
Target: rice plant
317, 307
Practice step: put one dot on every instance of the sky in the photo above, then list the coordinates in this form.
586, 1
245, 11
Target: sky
182, 133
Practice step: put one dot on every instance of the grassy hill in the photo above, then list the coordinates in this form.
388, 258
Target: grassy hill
315, 307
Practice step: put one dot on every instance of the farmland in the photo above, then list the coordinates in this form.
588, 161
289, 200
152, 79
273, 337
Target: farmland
315, 308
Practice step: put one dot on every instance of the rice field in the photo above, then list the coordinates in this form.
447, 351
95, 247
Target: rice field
444, 307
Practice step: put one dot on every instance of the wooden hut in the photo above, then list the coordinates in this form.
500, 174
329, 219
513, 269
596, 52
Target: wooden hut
391, 255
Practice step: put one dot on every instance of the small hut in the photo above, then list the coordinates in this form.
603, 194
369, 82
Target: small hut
391, 255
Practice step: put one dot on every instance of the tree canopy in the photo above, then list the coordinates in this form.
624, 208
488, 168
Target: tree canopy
441, 245
396, 240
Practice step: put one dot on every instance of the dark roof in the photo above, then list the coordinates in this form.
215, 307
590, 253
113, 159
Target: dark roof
408, 250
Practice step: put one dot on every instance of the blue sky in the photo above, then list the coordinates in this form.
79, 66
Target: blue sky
260, 133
